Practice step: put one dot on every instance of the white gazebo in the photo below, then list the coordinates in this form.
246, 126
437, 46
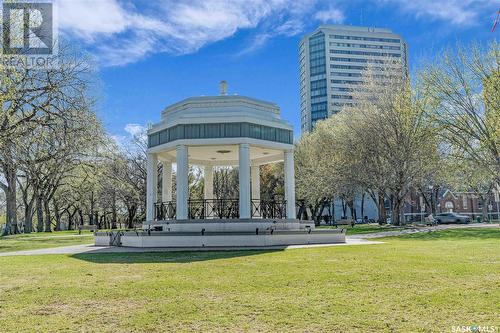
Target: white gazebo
210, 132
218, 131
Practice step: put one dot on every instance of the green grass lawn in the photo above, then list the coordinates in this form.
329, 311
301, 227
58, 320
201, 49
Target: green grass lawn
364, 228
416, 283
41, 240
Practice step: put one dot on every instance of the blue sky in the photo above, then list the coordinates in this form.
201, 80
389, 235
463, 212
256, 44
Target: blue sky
154, 53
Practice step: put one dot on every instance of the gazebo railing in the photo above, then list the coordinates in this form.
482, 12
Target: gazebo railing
269, 209
165, 210
213, 209
221, 209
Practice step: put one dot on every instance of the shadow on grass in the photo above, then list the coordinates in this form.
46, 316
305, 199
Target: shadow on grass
165, 257
456, 234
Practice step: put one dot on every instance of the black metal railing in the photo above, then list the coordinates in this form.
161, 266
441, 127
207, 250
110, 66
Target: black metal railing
221, 209
301, 209
213, 209
165, 210
269, 209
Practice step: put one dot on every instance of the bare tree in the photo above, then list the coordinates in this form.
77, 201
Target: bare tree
465, 87
31, 98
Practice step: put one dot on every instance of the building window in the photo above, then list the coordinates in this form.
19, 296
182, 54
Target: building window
371, 39
381, 54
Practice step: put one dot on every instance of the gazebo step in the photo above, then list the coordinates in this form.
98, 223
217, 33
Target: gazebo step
221, 239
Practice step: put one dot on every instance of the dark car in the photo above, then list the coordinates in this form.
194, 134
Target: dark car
452, 218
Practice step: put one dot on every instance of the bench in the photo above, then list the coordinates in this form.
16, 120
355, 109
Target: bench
87, 227
344, 222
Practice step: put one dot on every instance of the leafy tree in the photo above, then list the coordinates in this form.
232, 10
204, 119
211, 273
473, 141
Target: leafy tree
30, 99
383, 144
465, 87
272, 181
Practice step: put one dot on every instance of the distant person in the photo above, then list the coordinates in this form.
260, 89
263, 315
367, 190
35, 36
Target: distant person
429, 219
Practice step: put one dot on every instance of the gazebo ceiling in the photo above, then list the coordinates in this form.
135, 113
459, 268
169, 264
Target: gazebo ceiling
224, 155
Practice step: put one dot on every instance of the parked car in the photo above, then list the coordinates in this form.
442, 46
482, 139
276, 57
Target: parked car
452, 218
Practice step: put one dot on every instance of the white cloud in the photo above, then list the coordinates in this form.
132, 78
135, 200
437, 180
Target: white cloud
88, 19
127, 141
331, 15
457, 12
118, 32
135, 129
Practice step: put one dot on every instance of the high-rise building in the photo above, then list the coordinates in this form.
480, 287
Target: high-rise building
332, 60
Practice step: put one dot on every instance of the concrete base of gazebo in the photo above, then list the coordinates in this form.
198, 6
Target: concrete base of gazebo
224, 233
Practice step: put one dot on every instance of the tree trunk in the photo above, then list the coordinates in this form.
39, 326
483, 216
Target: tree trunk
131, 210
57, 216
382, 213
11, 205
363, 206
397, 205
472, 208
71, 219
333, 210
80, 213
39, 214
114, 216
350, 204
9, 188
344, 208
28, 218
48, 217
435, 200
485, 203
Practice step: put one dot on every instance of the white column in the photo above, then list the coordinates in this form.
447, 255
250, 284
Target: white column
208, 176
255, 173
289, 185
182, 182
151, 185
166, 186
244, 180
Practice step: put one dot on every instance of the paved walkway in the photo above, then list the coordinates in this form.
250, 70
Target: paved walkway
91, 249
423, 229
361, 239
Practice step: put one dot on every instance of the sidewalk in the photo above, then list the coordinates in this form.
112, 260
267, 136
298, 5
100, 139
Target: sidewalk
413, 230
92, 249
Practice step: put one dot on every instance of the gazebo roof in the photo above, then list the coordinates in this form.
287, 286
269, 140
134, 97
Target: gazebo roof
221, 109
211, 102
213, 125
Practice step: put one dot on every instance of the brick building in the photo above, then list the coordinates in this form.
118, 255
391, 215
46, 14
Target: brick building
466, 203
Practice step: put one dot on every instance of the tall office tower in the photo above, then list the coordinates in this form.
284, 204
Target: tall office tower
332, 60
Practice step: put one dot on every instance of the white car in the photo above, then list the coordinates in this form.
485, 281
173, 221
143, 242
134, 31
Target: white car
452, 218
